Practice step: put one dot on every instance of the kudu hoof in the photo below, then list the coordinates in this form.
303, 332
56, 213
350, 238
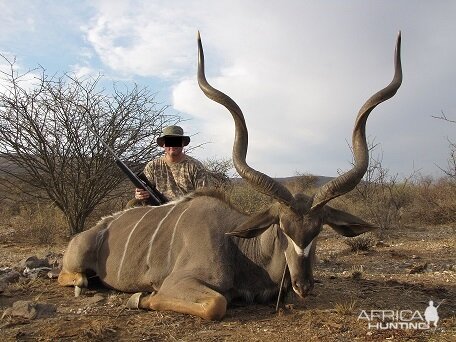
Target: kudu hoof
78, 290
133, 301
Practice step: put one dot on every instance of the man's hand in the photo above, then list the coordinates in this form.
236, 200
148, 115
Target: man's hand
141, 194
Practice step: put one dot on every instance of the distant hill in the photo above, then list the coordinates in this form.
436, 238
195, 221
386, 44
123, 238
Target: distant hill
320, 180
7, 166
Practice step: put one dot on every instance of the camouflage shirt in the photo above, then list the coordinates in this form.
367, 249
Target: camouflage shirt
177, 179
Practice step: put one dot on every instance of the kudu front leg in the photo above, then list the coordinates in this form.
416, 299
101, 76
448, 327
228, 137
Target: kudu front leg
76, 279
191, 298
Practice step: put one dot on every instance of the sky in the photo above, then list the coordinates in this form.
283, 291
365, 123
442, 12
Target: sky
299, 70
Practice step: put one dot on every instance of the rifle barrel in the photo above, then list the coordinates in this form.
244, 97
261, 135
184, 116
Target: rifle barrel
156, 197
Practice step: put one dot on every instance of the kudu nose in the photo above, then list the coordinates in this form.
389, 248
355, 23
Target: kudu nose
303, 287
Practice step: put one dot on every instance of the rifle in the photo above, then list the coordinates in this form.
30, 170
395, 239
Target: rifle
156, 197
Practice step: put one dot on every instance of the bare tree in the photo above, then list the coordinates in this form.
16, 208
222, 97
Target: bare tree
384, 196
450, 171
50, 153
221, 170
303, 182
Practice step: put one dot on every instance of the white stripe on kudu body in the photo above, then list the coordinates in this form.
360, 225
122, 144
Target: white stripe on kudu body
156, 231
128, 241
172, 237
100, 237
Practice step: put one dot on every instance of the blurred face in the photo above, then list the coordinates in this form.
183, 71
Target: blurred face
173, 146
173, 151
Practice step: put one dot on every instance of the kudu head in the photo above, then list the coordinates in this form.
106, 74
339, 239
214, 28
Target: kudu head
299, 217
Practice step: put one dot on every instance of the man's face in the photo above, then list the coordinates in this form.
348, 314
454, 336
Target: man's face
173, 146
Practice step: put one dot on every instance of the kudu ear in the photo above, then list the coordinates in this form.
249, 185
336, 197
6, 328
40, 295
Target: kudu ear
257, 223
344, 223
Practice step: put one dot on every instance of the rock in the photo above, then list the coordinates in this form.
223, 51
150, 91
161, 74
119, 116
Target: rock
357, 275
397, 254
34, 267
55, 259
54, 273
92, 300
35, 262
381, 244
30, 310
4, 270
10, 277
419, 268
39, 272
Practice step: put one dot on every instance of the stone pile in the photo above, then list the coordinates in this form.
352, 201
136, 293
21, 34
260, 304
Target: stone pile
29, 268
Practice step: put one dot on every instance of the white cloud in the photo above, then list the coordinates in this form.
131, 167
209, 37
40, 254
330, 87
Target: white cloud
146, 39
83, 71
16, 19
299, 71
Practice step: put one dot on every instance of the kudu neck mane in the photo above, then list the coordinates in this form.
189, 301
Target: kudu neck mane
219, 194
302, 201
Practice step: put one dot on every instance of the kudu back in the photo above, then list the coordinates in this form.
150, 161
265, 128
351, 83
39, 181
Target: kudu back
199, 253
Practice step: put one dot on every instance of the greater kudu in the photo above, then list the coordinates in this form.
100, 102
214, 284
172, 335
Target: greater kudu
197, 254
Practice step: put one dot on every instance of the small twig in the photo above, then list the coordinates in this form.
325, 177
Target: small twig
120, 312
281, 287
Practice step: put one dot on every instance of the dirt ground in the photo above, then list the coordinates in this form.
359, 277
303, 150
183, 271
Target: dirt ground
404, 272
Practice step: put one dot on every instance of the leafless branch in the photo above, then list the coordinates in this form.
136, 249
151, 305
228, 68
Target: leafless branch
450, 170
47, 149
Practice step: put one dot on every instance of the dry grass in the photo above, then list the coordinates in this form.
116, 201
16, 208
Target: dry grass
345, 308
424, 201
362, 242
302, 183
24, 219
40, 223
327, 315
434, 202
245, 197
357, 272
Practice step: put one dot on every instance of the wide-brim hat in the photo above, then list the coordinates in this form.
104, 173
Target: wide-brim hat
172, 131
